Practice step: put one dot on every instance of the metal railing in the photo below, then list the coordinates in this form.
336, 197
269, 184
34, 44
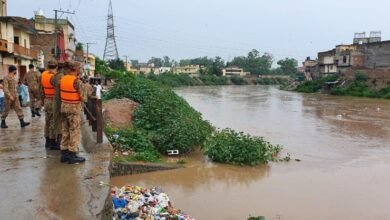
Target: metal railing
93, 109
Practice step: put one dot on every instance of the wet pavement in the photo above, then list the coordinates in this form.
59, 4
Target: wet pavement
35, 185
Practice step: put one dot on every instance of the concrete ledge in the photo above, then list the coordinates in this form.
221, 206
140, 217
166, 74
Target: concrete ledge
100, 156
123, 169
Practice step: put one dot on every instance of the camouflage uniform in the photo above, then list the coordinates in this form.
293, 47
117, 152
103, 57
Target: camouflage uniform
71, 121
32, 80
9, 85
57, 102
49, 115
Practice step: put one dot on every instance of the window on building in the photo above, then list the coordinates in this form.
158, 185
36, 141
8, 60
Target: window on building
344, 59
16, 40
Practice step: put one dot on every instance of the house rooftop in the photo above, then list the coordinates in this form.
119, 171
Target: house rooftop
20, 23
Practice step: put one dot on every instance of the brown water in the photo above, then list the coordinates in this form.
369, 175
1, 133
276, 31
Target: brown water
343, 142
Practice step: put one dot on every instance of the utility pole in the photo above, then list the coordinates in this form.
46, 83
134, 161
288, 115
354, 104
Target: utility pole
56, 29
126, 61
87, 60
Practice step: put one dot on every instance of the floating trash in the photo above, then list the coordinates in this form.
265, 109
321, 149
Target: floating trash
137, 203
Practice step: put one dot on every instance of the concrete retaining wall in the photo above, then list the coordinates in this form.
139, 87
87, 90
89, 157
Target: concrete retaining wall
100, 160
124, 169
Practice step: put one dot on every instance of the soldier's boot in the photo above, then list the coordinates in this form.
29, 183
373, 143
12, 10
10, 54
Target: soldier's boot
73, 158
23, 123
47, 142
64, 156
37, 112
32, 113
3, 124
54, 145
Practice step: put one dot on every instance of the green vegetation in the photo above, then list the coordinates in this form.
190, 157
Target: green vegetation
177, 80
254, 62
257, 218
271, 81
360, 88
228, 146
136, 142
315, 85
166, 120
237, 80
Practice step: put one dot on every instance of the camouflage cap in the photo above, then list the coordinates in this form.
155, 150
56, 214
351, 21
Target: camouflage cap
73, 66
61, 64
52, 63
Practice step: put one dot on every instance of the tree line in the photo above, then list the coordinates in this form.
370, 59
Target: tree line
254, 62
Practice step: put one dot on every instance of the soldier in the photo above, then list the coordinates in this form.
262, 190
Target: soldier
48, 94
55, 81
11, 100
31, 79
71, 97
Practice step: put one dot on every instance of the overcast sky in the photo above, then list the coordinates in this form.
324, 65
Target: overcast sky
226, 28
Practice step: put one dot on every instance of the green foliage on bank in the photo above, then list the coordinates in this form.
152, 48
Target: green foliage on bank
271, 81
178, 80
315, 85
168, 121
228, 146
164, 121
360, 88
136, 142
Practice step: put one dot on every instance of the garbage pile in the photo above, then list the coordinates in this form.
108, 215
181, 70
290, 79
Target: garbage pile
136, 203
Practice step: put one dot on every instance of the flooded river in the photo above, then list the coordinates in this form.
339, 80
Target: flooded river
343, 142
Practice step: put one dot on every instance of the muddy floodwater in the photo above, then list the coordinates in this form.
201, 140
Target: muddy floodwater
343, 144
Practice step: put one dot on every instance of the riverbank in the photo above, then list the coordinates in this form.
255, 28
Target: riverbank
360, 86
179, 80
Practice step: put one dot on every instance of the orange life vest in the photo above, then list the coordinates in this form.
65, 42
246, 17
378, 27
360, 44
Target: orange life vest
48, 88
68, 93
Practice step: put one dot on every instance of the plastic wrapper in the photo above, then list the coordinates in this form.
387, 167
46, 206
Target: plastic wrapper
137, 203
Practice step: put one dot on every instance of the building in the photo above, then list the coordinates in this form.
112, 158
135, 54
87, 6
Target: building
327, 63
15, 45
162, 70
190, 69
47, 38
89, 65
360, 38
310, 69
3, 8
234, 71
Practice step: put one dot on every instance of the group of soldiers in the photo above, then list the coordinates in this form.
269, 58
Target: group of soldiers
60, 90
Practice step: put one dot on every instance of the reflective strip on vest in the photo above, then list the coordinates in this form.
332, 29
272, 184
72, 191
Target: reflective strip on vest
68, 93
48, 88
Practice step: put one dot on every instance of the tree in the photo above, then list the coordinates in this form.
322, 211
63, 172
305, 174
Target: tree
116, 64
101, 67
158, 62
166, 62
288, 66
255, 63
134, 63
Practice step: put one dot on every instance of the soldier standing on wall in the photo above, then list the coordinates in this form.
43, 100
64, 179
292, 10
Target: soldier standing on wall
71, 97
48, 94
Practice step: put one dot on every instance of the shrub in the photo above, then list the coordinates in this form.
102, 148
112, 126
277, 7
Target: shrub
168, 120
213, 80
136, 141
228, 146
237, 80
359, 76
315, 85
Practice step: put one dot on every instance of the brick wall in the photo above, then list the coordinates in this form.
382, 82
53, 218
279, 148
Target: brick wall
44, 42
